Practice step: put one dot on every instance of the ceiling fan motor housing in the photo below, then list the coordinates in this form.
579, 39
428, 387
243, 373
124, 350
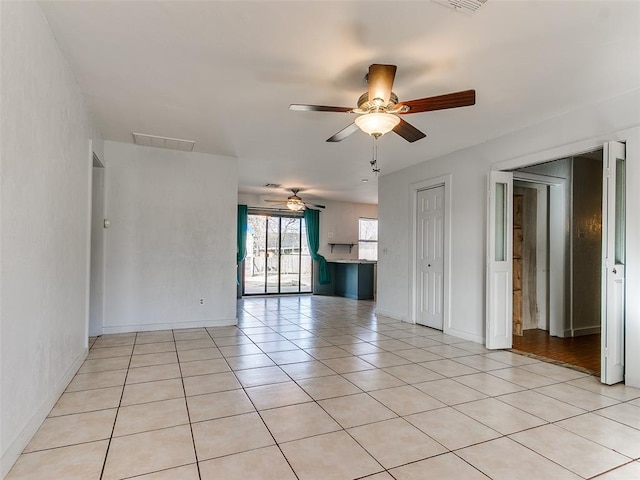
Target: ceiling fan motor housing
365, 106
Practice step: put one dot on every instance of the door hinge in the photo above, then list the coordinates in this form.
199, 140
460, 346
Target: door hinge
606, 353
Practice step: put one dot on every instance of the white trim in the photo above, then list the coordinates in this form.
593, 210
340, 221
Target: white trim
537, 178
558, 292
569, 150
631, 136
578, 332
445, 181
147, 327
94, 159
569, 242
466, 335
23, 438
87, 288
542, 258
391, 315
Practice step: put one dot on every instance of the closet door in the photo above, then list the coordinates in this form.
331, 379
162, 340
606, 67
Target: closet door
499, 284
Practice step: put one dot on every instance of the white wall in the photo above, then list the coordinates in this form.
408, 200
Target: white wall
338, 222
45, 167
172, 239
467, 236
572, 133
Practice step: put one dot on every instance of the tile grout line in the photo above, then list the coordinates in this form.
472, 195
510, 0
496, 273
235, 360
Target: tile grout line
186, 404
447, 450
327, 323
316, 402
244, 390
106, 455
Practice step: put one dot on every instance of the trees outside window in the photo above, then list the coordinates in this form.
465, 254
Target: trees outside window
368, 239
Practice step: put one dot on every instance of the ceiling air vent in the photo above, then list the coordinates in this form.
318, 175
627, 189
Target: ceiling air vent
273, 185
462, 5
163, 142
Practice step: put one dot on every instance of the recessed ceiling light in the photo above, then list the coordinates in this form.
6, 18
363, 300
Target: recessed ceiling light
365, 180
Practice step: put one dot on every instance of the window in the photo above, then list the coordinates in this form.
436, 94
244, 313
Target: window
368, 239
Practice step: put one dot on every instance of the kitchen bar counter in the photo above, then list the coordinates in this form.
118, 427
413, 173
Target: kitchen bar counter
353, 278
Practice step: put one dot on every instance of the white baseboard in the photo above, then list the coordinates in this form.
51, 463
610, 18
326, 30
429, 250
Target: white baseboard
146, 327
466, 335
392, 315
578, 332
14, 450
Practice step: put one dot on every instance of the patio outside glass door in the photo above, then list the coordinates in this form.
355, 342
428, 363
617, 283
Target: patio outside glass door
278, 259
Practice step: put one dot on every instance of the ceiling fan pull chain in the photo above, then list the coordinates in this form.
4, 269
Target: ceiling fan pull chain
374, 161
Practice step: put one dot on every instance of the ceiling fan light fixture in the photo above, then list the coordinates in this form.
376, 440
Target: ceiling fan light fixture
377, 123
295, 203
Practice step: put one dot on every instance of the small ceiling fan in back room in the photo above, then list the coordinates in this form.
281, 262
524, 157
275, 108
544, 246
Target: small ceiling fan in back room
378, 109
294, 202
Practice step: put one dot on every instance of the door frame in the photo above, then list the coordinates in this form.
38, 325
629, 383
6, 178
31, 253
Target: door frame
555, 313
279, 214
446, 182
573, 150
94, 162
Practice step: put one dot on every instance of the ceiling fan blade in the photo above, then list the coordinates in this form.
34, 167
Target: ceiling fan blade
275, 201
313, 205
441, 102
318, 108
380, 80
344, 133
408, 131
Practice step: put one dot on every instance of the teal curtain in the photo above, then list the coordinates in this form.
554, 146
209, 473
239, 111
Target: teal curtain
312, 221
242, 237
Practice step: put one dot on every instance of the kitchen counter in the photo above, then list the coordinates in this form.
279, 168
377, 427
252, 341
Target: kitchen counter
353, 278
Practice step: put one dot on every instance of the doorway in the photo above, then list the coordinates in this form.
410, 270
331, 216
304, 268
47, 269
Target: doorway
96, 277
278, 259
575, 336
589, 299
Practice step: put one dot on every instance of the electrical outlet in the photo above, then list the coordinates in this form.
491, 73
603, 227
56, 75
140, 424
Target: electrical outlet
202, 301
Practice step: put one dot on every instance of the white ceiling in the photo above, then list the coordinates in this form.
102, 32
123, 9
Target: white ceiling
224, 73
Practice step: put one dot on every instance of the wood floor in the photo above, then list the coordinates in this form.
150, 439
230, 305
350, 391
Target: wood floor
582, 351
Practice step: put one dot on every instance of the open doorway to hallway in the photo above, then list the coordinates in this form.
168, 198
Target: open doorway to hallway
560, 238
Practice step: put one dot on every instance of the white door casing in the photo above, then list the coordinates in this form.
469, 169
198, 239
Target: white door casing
557, 258
613, 263
499, 270
430, 257
553, 219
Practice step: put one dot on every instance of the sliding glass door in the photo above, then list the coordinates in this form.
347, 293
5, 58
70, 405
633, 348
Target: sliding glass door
278, 259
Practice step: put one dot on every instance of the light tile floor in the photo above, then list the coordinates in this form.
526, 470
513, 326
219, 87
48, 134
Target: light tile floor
321, 388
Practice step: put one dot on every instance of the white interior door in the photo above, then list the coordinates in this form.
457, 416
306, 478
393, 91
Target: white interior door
430, 257
499, 289
613, 265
